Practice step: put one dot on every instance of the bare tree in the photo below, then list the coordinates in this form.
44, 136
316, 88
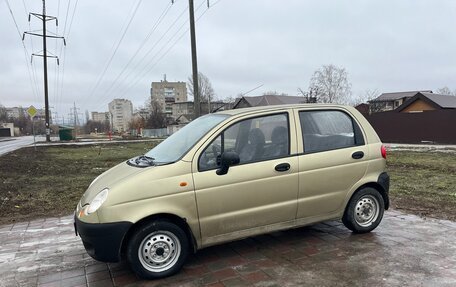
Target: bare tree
363, 98
273, 93
3, 114
330, 84
137, 123
205, 89
156, 117
446, 91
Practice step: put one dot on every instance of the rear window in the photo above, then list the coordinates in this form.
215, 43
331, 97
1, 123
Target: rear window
328, 130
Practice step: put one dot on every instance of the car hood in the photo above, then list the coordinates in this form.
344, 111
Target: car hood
129, 183
109, 178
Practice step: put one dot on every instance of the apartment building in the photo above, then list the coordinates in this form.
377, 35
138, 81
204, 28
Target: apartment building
121, 112
17, 112
167, 93
100, 117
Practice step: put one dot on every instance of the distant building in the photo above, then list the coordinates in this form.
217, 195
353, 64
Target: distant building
423, 102
187, 108
17, 112
167, 93
141, 113
6, 129
121, 112
100, 117
391, 101
213, 106
183, 108
268, 100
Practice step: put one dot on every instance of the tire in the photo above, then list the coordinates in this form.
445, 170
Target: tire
158, 249
364, 211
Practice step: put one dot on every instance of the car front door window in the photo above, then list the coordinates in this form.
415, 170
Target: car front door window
254, 139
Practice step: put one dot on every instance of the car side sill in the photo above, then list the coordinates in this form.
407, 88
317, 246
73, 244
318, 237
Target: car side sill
236, 235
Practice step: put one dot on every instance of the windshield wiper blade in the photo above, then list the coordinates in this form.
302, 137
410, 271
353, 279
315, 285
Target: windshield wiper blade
149, 157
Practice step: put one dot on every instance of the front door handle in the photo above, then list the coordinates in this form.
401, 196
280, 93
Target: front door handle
282, 167
357, 155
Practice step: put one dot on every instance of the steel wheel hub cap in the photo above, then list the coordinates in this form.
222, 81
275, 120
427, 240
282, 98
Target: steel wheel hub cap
159, 251
366, 210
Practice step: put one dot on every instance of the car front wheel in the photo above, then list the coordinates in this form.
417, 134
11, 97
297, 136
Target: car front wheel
364, 211
157, 250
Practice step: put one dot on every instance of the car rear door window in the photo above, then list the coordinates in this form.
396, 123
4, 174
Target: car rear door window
328, 130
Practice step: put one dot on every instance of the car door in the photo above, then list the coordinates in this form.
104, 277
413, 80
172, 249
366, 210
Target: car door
333, 157
259, 191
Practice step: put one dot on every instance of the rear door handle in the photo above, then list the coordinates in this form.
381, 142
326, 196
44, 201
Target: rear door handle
282, 167
357, 155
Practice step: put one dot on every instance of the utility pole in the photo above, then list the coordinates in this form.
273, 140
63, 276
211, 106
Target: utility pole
43, 17
196, 98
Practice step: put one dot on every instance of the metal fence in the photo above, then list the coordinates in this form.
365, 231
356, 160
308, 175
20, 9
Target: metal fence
437, 126
151, 133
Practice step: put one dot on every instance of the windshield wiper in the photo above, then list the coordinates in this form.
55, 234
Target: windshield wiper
148, 157
144, 158
142, 161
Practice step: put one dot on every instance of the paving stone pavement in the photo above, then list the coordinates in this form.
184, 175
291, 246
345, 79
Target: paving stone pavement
404, 250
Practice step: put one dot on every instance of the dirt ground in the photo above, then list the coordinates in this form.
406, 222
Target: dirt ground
50, 181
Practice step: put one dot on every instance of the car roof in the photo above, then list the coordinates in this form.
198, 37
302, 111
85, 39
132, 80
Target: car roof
276, 107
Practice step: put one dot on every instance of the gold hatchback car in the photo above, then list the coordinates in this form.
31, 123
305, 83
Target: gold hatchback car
235, 174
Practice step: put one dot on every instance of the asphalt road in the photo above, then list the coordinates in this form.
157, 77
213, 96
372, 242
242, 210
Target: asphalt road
10, 144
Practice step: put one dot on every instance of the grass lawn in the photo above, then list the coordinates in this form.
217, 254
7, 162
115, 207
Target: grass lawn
50, 181
423, 183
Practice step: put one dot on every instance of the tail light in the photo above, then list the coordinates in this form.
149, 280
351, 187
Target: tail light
383, 149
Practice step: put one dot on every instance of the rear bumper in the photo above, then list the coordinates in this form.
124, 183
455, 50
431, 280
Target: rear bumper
384, 181
102, 241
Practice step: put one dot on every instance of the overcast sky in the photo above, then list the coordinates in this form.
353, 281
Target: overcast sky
384, 45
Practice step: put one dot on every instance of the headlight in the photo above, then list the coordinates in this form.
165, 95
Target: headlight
97, 201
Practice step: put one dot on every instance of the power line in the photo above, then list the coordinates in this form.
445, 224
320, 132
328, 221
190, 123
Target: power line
64, 51
148, 65
72, 18
115, 51
148, 52
154, 27
26, 53
14, 19
25, 8
62, 47
66, 17
57, 67
153, 47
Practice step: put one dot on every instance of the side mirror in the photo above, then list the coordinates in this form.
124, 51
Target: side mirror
228, 159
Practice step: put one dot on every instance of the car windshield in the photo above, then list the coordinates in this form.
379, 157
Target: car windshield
174, 147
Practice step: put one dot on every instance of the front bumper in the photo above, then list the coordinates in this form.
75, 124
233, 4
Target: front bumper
102, 241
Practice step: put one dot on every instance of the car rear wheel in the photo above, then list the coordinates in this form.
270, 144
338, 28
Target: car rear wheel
364, 211
157, 250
